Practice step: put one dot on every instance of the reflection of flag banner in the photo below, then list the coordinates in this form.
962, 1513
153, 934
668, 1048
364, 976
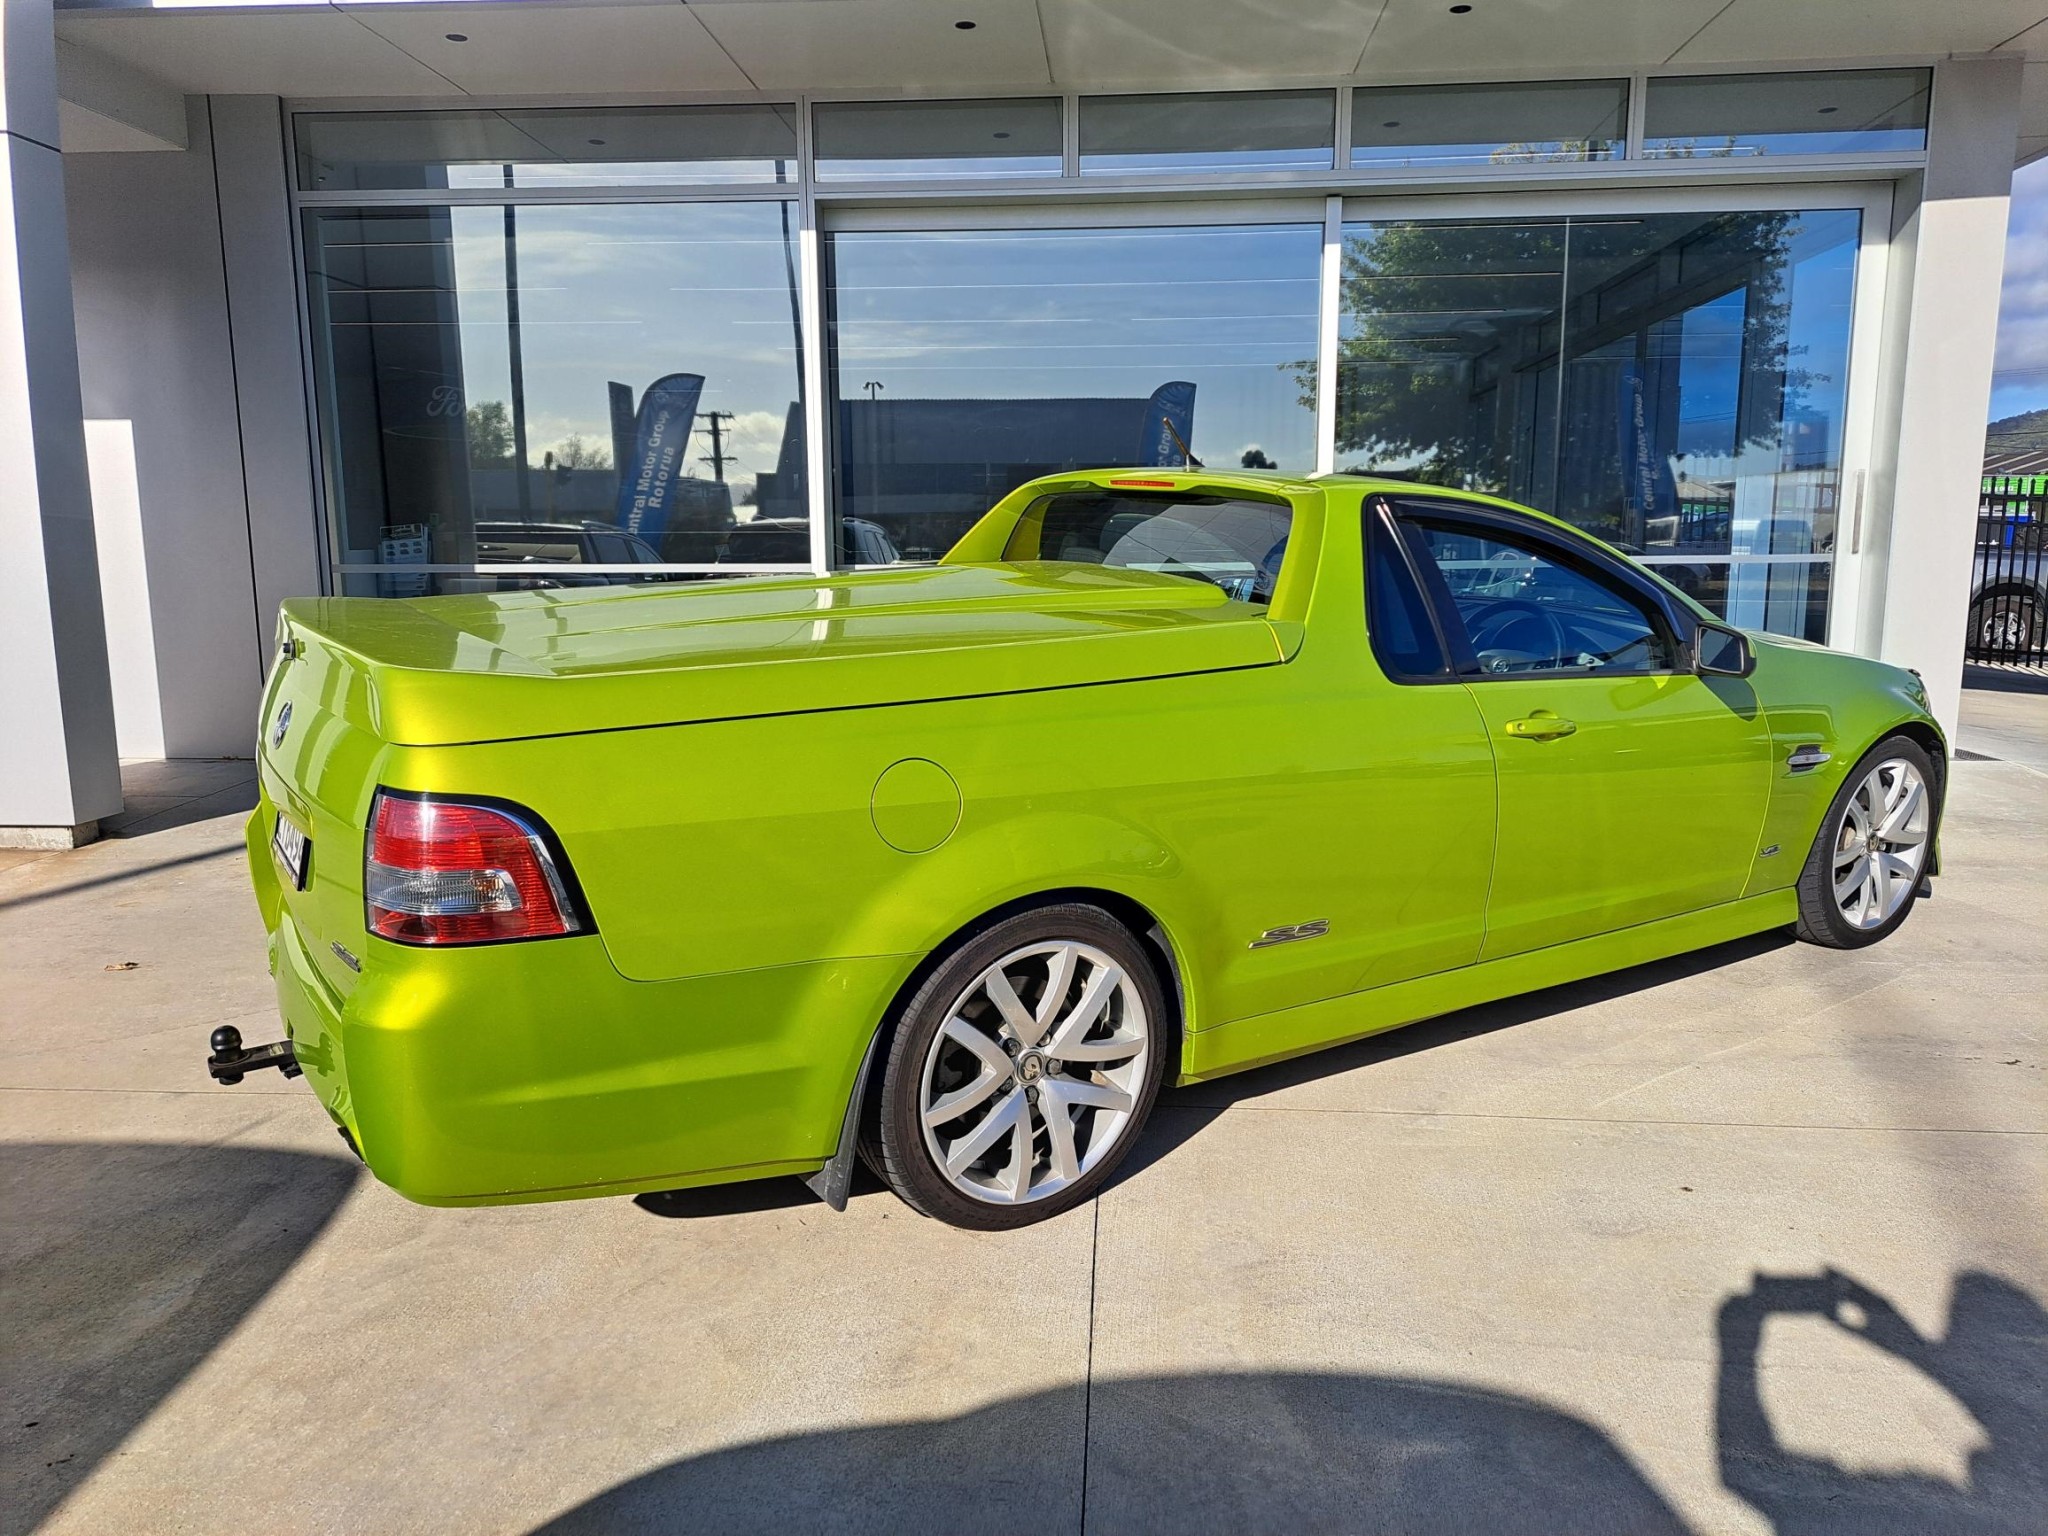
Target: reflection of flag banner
1170, 403
622, 424
1638, 463
661, 432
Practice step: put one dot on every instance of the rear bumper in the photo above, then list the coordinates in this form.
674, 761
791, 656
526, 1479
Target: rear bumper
520, 1072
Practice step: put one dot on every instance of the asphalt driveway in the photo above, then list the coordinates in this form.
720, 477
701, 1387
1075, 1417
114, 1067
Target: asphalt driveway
1750, 1240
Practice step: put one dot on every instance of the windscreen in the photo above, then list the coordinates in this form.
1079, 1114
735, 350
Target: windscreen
1228, 542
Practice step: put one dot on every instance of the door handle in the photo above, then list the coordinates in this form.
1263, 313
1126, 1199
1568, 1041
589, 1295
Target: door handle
1541, 726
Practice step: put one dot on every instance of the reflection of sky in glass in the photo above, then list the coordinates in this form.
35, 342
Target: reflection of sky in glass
1823, 280
1727, 146
557, 173
1840, 112
1233, 131
1709, 373
1486, 152
1064, 313
1393, 126
1121, 163
631, 294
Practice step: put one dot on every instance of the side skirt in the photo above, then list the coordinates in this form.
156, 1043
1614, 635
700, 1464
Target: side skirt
1268, 1037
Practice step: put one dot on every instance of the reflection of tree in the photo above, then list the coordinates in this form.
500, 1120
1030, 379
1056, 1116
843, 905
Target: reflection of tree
1448, 365
488, 427
578, 452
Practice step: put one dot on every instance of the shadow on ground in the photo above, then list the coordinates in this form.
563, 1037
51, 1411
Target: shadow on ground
123, 1265
1285, 1452
1260, 1452
1181, 1113
1993, 1359
2005, 679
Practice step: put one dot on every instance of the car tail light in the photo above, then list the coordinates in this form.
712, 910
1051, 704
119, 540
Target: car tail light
463, 872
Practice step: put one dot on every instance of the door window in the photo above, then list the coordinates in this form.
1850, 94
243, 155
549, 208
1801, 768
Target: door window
1523, 609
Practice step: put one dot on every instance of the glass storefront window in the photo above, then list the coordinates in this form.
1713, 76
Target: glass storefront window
559, 384
966, 362
1851, 111
545, 147
1212, 131
1673, 383
1488, 124
922, 140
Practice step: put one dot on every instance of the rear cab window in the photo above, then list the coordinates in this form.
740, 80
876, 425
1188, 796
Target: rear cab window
1236, 543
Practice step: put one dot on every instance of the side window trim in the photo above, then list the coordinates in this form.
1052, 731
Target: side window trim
1382, 532
1487, 522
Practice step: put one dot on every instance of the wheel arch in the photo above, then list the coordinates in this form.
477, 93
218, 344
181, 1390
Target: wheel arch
860, 1124
1153, 937
1926, 736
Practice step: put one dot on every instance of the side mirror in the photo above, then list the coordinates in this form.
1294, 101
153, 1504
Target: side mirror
1719, 652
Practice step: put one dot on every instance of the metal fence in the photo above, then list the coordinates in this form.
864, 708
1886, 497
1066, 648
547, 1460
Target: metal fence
2009, 585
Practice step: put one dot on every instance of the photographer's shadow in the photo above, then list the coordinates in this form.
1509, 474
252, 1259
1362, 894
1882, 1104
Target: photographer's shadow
1993, 1359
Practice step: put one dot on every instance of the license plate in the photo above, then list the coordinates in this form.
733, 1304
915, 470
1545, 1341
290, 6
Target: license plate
291, 847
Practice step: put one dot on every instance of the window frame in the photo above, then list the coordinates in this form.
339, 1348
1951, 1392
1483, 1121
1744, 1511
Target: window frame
1629, 184
1673, 622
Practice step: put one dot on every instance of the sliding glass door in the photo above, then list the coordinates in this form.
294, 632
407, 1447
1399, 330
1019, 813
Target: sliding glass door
1676, 383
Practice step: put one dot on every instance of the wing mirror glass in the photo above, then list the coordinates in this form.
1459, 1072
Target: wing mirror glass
1719, 652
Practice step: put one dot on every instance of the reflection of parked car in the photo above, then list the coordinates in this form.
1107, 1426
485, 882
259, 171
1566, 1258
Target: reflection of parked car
560, 544
578, 893
2008, 590
787, 541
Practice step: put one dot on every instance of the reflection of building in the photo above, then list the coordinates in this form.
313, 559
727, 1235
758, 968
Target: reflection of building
328, 288
910, 464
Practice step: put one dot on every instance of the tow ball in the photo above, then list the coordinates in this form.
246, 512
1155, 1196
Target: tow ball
229, 1062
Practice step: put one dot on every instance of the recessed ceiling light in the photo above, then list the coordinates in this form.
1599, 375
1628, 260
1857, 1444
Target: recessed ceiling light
964, 26
595, 141
1002, 135
457, 37
1824, 111
1392, 122
1460, 10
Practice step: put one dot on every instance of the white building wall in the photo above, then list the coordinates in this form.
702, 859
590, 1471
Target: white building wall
1948, 254
58, 772
166, 330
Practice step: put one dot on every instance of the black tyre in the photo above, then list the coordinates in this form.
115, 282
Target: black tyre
1870, 856
2006, 625
1021, 1072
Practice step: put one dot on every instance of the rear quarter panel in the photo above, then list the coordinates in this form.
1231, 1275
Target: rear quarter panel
744, 844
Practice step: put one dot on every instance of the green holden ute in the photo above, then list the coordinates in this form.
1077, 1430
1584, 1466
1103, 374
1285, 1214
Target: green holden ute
1156, 776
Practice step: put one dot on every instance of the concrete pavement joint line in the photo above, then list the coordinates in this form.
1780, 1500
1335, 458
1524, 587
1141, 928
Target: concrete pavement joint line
1088, 1364
1476, 1114
1744, 1045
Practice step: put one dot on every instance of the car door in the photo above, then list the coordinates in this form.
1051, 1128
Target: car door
1629, 789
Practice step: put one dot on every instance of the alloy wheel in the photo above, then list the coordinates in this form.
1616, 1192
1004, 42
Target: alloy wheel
1032, 1079
1881, 844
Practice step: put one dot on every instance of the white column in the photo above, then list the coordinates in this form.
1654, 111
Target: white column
1955, 243
58, 770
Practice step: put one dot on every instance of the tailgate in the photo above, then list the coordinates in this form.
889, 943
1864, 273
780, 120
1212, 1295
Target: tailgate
317, 765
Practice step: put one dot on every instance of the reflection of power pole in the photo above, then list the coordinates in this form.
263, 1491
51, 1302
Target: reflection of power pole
516, 355
718, 458
874, 387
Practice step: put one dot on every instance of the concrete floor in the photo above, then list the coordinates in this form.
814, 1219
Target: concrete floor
1751, 1240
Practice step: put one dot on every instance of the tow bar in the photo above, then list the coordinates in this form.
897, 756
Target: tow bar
229, 1062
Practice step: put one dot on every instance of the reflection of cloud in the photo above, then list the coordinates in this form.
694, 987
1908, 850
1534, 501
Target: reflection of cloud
2022, 365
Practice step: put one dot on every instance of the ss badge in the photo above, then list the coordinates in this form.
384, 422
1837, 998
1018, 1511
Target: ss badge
1287, 933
